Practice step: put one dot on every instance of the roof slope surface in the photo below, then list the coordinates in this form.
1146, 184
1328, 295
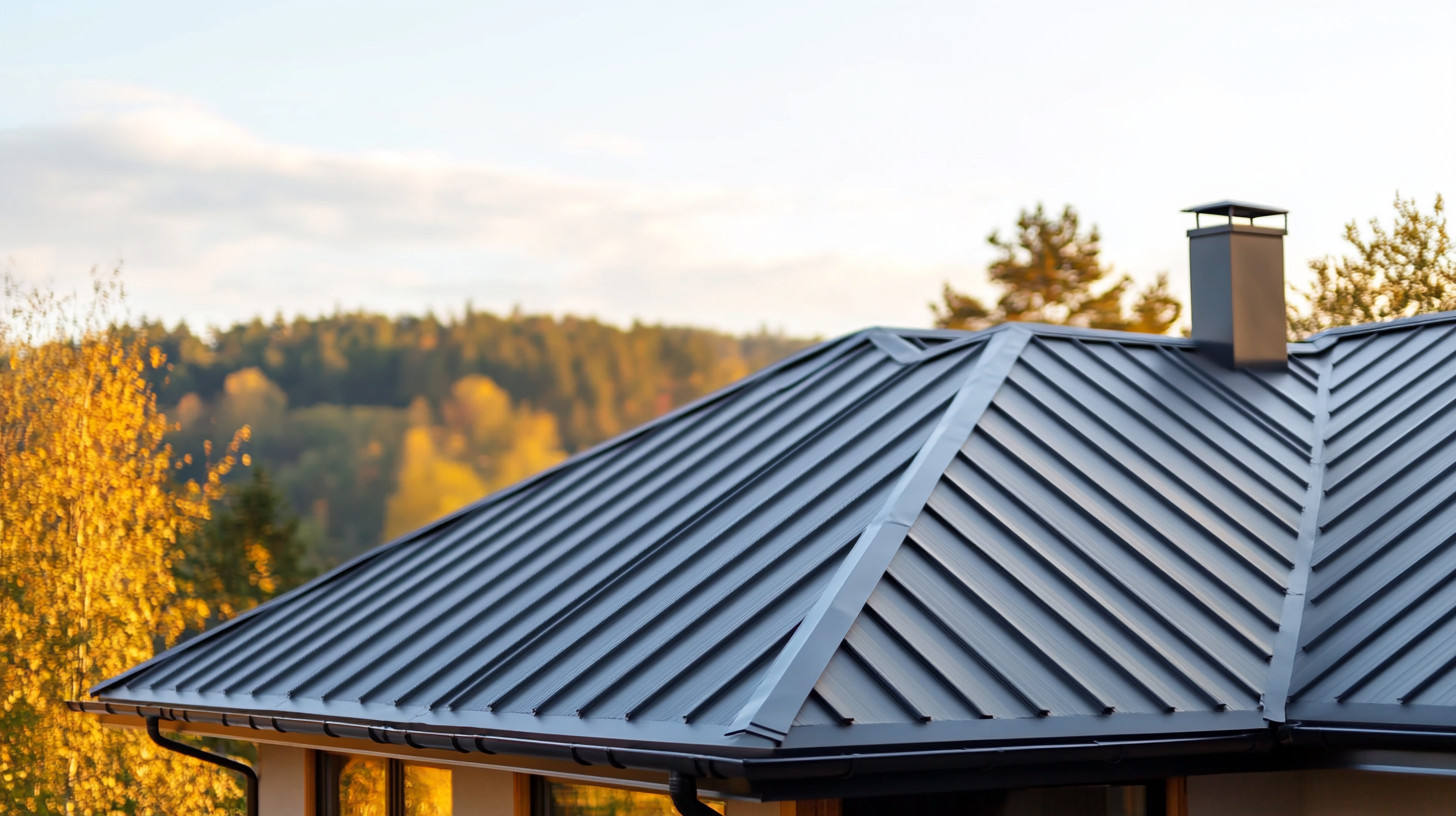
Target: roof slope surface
910, 537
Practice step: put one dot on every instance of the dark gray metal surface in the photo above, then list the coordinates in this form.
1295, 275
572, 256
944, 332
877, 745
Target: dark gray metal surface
649, 582
1113, 538
1236, 209
1378, 642
906, 538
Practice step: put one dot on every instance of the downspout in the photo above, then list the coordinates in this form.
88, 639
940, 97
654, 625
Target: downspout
683, 790
250, 776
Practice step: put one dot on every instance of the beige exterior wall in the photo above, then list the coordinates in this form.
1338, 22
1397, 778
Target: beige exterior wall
483, 792
285, 780
1322, 793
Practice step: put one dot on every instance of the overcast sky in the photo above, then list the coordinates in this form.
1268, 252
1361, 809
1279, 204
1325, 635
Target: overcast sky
814, 167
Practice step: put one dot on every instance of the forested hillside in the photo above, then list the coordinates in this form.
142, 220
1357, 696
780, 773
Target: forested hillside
342, 406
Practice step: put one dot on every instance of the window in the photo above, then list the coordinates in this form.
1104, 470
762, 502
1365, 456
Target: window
373, 786
564, 799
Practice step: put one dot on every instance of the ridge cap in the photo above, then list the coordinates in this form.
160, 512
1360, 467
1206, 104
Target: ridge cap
776, 701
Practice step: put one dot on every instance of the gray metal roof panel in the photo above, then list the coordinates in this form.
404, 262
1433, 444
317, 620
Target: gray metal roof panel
1097, 547
1377, 634
1026, 532
621, 588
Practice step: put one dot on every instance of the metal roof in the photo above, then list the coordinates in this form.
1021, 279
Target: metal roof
900, 537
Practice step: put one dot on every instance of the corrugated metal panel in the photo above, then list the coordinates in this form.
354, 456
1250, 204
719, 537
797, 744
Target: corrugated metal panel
1379, 632
649, 581
1118, 537
1114, 537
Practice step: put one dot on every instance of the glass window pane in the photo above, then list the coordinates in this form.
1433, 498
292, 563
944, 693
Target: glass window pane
589, 800
426, 791
1127, 800
362, 787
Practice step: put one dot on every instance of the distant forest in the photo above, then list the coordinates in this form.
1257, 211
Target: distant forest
342, 407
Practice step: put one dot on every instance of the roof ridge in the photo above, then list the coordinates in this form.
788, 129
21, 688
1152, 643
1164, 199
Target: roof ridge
1328, 336
770, 711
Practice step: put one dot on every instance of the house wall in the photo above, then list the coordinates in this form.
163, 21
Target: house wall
483, 792
286, 788
1321, 793
285, 780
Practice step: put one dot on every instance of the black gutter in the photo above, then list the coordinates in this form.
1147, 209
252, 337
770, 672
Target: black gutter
683, 791
699, 765
250, 777
1345, 737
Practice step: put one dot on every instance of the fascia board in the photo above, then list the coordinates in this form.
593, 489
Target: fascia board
1373, 715
638, 734
883, 736
770, 711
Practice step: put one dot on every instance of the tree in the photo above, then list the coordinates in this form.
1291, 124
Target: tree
1052, 272
1407, 271
89, 528
485, 444
249, 552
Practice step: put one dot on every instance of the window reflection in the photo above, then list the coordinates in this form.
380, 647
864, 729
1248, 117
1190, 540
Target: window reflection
563, 799
372, 786
363, 787
426, 791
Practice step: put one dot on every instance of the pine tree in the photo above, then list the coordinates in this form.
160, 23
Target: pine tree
1052, 272
249, 552
1407, 271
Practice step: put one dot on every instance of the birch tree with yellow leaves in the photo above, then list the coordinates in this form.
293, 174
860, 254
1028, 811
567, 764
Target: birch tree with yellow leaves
90, 524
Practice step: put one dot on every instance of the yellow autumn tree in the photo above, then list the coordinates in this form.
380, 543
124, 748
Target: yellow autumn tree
485, 443
89, 527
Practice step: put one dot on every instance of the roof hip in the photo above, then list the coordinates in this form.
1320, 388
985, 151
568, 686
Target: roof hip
770, 711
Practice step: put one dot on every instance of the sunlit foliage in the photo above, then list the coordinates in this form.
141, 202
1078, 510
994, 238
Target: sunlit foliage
90, 525
1052, 272
597, 379
1406, 271
329, 398
483, 444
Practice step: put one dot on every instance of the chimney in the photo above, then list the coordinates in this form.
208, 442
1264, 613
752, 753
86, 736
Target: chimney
1238, 286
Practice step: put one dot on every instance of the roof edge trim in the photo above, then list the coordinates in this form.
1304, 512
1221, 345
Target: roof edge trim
771, 710
758, 766
1291, 618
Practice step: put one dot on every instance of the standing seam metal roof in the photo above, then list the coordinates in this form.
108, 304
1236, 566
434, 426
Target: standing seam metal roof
1028, 532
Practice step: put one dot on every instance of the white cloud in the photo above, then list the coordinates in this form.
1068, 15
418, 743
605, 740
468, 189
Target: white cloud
217, 224
604, 144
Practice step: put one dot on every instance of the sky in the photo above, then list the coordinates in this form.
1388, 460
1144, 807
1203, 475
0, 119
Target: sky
808, 167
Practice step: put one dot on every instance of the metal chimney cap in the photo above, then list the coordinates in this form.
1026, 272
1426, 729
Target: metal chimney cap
1236, 209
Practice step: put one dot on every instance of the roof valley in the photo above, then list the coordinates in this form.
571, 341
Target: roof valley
1287, 641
